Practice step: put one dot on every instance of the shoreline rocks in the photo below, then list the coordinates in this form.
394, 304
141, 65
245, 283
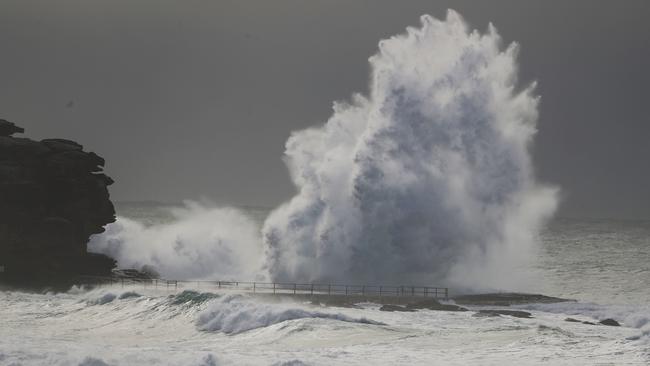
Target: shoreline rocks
497, 312
432, 304
392, 308
609, 322
505, 299
53, 197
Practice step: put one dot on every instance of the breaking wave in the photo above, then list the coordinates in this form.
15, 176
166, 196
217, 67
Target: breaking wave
235, 314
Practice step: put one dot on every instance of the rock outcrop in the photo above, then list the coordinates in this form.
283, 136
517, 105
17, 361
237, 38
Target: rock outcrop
53, 197
497, 312
433, 304
392, 308
506, 299
610, 322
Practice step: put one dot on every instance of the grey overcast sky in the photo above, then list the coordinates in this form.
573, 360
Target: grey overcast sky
195, 98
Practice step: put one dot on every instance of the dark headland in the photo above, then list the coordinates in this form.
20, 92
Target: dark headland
53, 197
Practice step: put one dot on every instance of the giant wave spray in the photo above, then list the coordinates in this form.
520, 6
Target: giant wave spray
426, 180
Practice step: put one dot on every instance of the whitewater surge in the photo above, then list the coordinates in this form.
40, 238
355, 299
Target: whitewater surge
160, 327
200, 243
426, 180
236, 314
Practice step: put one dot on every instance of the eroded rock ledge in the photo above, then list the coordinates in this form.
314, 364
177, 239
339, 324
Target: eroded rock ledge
53, 197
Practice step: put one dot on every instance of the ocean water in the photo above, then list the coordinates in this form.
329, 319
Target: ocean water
598, 260
600, 263
427, 178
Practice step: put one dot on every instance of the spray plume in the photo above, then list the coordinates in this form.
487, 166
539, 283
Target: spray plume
200, 243
426, 180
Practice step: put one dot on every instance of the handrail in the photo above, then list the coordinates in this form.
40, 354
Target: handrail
282, 287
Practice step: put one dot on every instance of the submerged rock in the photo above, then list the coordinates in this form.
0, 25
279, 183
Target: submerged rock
53, 197
610, 322
431, 304
505, 299
391, 308
515, 313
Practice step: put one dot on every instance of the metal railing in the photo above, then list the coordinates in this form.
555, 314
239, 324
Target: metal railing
277, 287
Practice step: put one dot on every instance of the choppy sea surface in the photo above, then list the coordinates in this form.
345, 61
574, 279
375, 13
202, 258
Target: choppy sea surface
603, 264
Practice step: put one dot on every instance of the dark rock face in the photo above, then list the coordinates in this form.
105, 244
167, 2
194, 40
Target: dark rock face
515, 313
505, 299
610, 322
53, 196
8, 128
431, 304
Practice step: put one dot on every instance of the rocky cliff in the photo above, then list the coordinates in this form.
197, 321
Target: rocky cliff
53, 196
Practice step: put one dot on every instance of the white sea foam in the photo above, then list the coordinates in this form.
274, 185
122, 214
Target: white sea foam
209, 360
290, 363
426, 180
635, 316
200, 243
62, 329
237, 314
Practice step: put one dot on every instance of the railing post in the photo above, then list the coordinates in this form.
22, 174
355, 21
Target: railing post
312, 289
294, 288
274, 288
219, 284
379, 291
446, 293
254, 285
346, 290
